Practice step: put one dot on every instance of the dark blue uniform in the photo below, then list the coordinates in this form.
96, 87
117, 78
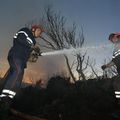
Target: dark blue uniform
22, 45
17, 58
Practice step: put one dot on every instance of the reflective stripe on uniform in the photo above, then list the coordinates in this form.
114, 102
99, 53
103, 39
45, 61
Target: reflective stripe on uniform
10, 96
115, 54
8, 92
28, 38
3, 95
117, 94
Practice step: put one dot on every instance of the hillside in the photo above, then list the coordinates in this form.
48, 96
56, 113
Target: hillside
61, 100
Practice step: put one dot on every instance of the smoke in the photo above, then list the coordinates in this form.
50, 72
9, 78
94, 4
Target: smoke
75, 50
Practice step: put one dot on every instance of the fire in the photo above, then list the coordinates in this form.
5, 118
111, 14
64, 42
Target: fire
30, 76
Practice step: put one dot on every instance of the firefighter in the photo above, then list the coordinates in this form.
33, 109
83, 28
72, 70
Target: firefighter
23, 44
115, 39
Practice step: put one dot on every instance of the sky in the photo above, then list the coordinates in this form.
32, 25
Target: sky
98, 18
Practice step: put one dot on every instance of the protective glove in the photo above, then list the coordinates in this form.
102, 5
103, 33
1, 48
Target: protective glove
103, 67
37, 49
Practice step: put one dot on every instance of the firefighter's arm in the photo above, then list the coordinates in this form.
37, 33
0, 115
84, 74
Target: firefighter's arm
24, 40
35, 53
36, 48
108, 65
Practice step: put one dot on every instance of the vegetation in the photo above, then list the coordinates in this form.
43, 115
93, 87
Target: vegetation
61, 100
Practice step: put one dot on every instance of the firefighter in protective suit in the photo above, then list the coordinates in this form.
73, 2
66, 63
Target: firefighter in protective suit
23, 44
115, 39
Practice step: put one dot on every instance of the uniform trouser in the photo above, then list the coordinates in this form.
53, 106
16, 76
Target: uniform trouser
14, 77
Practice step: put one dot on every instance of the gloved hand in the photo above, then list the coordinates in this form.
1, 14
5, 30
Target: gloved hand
37, 49
103, 67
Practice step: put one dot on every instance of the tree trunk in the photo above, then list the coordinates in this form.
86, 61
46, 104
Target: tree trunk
69, 69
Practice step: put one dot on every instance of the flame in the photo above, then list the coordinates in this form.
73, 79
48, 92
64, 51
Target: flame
29, 77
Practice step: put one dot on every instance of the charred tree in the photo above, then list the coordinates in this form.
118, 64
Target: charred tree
59, 36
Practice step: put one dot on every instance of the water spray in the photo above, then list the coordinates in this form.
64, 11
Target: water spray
59, 52
74, 50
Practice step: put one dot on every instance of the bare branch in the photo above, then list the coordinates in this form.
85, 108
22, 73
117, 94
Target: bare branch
63, 37
73, 63
49, 43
